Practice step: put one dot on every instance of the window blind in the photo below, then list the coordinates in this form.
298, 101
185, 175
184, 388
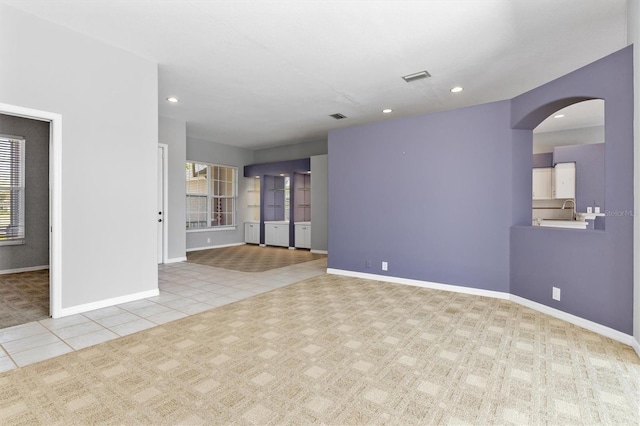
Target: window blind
12, 226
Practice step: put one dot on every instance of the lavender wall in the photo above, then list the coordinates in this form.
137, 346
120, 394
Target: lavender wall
444, 198
593, 268
543, 160
428, 194
589, 161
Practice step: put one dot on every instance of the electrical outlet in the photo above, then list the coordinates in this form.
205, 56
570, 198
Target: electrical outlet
368, 264
208, 240
555, 293
385, 266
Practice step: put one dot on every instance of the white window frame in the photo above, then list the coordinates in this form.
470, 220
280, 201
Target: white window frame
211, 195
16, 187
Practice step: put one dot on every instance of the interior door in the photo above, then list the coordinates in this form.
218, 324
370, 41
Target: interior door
161, 194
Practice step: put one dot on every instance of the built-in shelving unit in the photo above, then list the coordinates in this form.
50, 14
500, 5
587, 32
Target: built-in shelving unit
253, 201
302, 187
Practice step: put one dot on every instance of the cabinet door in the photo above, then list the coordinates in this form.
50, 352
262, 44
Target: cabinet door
303, 236
270, 237
252, 233
565, 180
541, 178
283, 235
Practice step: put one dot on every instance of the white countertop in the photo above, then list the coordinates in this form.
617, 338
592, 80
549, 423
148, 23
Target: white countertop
303, 223
571, 224
276, 222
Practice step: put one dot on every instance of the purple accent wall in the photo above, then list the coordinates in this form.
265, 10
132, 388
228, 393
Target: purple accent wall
593, 268
543, 160
430, 195
442, 197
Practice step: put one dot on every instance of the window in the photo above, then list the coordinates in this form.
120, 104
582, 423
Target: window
211, 196
11, 190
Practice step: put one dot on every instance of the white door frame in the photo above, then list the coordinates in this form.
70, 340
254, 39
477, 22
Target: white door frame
165, 201
55, 198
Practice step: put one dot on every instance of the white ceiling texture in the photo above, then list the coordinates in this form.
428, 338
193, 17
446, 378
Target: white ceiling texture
257, 74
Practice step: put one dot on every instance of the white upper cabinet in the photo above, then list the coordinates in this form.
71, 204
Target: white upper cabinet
564, 180
542, 178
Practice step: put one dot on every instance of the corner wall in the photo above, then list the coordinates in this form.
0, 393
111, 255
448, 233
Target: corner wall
109, 105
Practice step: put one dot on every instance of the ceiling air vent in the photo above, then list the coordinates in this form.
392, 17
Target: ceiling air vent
416, 76
338, 116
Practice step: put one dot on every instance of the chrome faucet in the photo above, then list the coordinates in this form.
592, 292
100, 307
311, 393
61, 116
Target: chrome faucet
573, 217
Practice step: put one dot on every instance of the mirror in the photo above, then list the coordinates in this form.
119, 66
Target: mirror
574, 134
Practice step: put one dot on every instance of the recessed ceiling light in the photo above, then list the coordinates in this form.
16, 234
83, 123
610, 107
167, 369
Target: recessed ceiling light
387, 110
257, 177
558, 116
456, 89
172, 99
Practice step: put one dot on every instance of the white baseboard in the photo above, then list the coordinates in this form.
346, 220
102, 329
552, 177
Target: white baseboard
319, 251
636, 346
424, 284
176, 260
212, 247
78, 309
580, 322
27, 269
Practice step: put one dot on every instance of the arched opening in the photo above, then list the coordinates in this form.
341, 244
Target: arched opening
568, 176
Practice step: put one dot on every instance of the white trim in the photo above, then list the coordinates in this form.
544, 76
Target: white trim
78, 309
212, 247
176, 260
418, 283
213, 229
319, 251
27, 269
165, 201
55, 198
580, 322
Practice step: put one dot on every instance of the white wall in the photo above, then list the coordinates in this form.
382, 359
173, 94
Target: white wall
108, 101
225, 155
174, 133
633, 36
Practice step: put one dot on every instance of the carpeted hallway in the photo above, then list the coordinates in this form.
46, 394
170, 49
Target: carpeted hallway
337, 350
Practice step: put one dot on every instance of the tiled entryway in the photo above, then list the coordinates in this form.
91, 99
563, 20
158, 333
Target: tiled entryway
185, 289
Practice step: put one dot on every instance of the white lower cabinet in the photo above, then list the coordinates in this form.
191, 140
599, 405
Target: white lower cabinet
276, 234
251, 233
303, 235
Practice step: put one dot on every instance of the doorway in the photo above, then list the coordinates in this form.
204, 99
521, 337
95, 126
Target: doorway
54, 199
162, 203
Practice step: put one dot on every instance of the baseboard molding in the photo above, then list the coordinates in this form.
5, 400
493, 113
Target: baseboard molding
212, 247
423, 284
319, 251
27, 269
78, 309
636, 347
580, 322
176, 260
575, 320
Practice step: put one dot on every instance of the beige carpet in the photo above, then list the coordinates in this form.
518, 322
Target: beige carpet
251, 258
339, 351
24, 297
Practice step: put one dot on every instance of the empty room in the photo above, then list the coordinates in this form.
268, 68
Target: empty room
319, 212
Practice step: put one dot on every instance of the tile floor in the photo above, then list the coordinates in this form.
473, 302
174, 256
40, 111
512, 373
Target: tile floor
185, 289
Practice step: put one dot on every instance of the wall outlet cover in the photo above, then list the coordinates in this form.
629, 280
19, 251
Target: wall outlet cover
555, 293
385, 266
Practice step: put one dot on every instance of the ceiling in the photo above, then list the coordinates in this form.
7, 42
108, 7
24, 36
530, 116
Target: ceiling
258, 74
